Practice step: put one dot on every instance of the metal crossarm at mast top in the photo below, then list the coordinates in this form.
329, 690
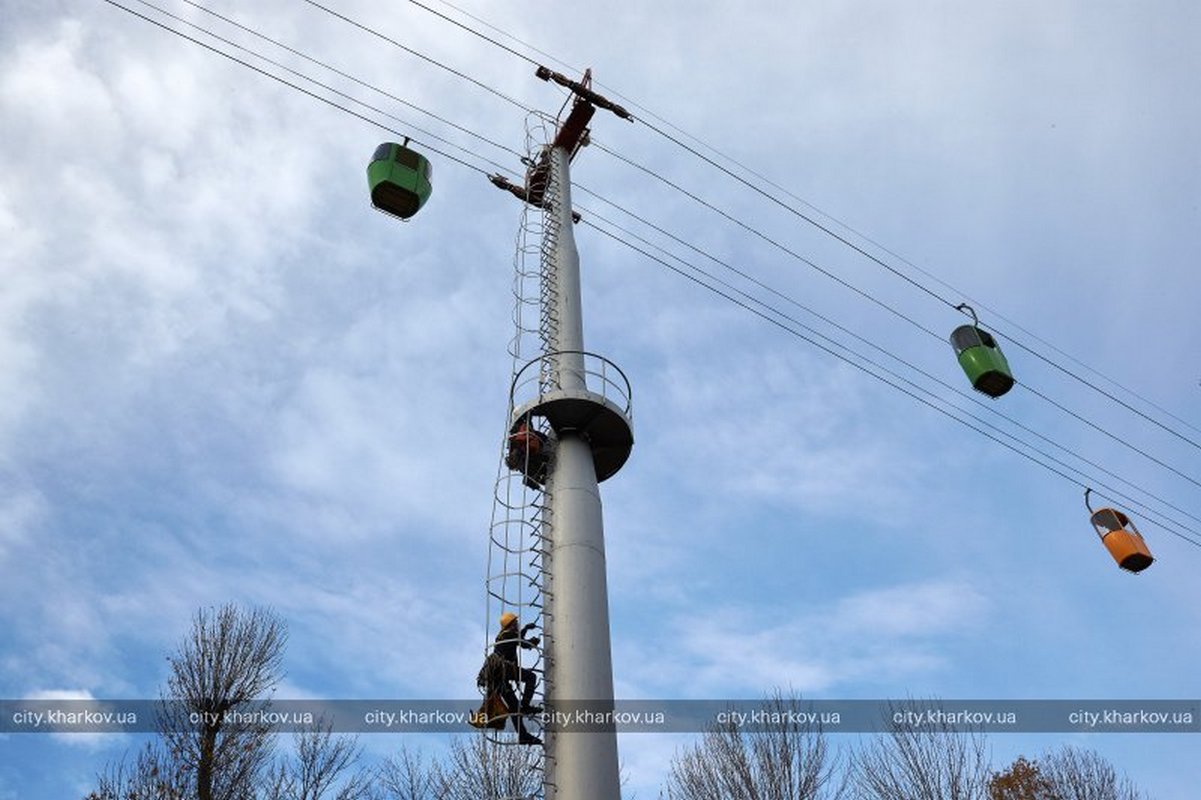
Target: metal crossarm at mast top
583, 91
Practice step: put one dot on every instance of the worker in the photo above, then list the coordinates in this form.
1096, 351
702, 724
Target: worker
527, 452
501, 670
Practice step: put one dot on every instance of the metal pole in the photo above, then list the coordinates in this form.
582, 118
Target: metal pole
580, 766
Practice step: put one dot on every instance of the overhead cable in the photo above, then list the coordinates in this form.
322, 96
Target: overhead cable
1168, 526
1151, 516
872, 298
833, 323
338, 72
422, 56
773, 242
867, 359
474, 32
840, 237
297, 87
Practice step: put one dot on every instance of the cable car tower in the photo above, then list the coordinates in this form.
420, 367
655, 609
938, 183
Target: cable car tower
568, 428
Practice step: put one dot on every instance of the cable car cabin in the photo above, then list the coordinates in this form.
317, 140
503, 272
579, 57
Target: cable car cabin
1122, 539
399, 180
982, 360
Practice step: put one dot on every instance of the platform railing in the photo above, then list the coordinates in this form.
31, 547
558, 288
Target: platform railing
597, 374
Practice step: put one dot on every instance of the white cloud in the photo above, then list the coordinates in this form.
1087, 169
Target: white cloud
911, 610
22, 510
89, 741
60, 694
44, 84
783, 427
876, 637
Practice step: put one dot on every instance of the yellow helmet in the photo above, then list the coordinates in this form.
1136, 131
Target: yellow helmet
507, 619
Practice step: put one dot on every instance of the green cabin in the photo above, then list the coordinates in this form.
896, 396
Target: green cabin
982, 360
399, 179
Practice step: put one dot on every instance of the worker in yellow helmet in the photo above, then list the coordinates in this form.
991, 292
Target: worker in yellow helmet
502, 669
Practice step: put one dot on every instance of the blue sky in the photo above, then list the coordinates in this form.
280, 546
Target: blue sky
225, 378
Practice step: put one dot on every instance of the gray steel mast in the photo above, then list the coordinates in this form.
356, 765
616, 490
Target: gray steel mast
580, 766
585, 400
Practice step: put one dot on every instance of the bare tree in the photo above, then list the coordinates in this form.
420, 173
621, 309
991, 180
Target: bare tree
229, 664
927, 762
476, 768
1021, 780
209, 748
785, 758
406, 776
479, 768
321, 768
1077, 774
149, 777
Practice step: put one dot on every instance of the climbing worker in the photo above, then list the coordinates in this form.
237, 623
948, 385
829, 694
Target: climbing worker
527, 452
501, 670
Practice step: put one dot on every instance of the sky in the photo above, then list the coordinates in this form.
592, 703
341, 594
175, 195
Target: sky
225, 378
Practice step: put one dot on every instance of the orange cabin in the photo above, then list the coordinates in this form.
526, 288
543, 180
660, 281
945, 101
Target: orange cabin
1122, 539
